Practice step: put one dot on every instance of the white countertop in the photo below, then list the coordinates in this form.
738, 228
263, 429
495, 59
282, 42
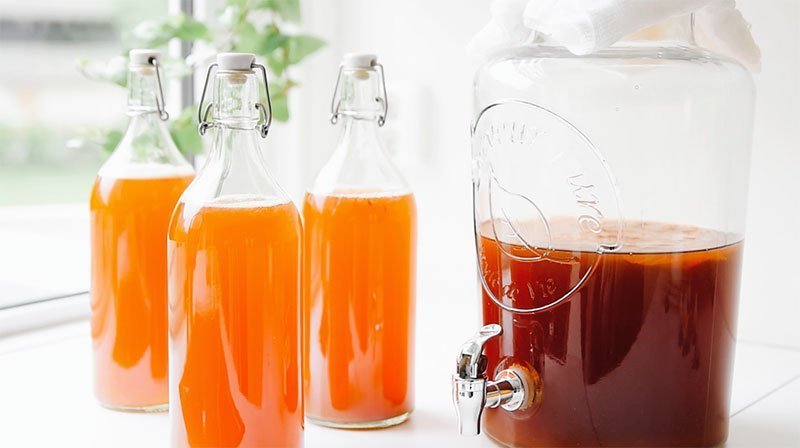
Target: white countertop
46, 396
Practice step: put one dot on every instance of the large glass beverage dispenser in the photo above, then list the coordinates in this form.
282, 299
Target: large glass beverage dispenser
609, 200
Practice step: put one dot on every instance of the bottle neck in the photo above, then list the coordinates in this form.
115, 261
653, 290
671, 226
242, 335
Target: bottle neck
360, 138
236, 166
360, 108
236, 94
142, 90
235, 144
141, 122
360, 163
146, 140
361, 96
236, 150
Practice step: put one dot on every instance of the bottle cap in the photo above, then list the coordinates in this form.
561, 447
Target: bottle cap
359, 60
235, 61
143, 56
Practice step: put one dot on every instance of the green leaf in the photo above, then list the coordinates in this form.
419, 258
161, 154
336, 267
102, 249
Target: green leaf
184, 132
288, 10
280, 107
249, 40
109, 139
144, 147
272, 41
151, 34
156, 33
105, 139
277, 88
276, 61
186, 27
302, 45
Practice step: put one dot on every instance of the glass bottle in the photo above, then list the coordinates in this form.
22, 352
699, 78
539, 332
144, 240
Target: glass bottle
234, 282
131, 203
610, 193
360, 268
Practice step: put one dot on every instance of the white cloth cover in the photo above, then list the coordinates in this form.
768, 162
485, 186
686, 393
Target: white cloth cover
585, 26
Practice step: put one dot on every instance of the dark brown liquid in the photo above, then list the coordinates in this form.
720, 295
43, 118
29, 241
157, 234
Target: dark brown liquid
640, 355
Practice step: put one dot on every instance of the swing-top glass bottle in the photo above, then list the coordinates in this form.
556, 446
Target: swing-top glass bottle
360, 262
234, 282
131, 204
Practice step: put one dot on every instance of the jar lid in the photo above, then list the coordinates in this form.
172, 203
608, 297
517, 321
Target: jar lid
236, 61
142, 56
359, 60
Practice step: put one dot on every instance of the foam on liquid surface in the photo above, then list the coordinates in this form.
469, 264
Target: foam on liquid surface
145, 171
636, 237
245, 201
361, 194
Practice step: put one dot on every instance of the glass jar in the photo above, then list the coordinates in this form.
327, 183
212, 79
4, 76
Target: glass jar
609, 196
131, 204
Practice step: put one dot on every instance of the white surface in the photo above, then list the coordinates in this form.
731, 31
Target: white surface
45, 385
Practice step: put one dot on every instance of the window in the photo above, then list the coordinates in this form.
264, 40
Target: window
44, 180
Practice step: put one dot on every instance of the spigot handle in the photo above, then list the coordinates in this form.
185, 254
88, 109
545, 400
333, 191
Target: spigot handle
469, 382
471, 363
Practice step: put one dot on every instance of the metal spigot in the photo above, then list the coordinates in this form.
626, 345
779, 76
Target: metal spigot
473, 391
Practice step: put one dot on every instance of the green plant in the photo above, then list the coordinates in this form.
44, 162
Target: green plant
251, 26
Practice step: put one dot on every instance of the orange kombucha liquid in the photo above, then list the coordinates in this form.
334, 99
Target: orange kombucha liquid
234, 272
640, 355
360, 264
129, 223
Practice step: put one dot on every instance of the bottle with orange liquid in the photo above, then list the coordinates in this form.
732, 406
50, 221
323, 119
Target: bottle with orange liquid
359, 268
234, 282
131, 204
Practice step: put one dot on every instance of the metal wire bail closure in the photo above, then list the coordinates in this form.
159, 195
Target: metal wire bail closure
160, 103
202, 115
336, 101
265, 113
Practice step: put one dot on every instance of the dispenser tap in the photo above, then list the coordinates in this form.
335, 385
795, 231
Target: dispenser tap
473, 391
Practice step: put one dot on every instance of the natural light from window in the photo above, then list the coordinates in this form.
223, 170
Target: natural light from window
47, 123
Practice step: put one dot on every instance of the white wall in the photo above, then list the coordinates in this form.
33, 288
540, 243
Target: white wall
421, 44
770, 304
